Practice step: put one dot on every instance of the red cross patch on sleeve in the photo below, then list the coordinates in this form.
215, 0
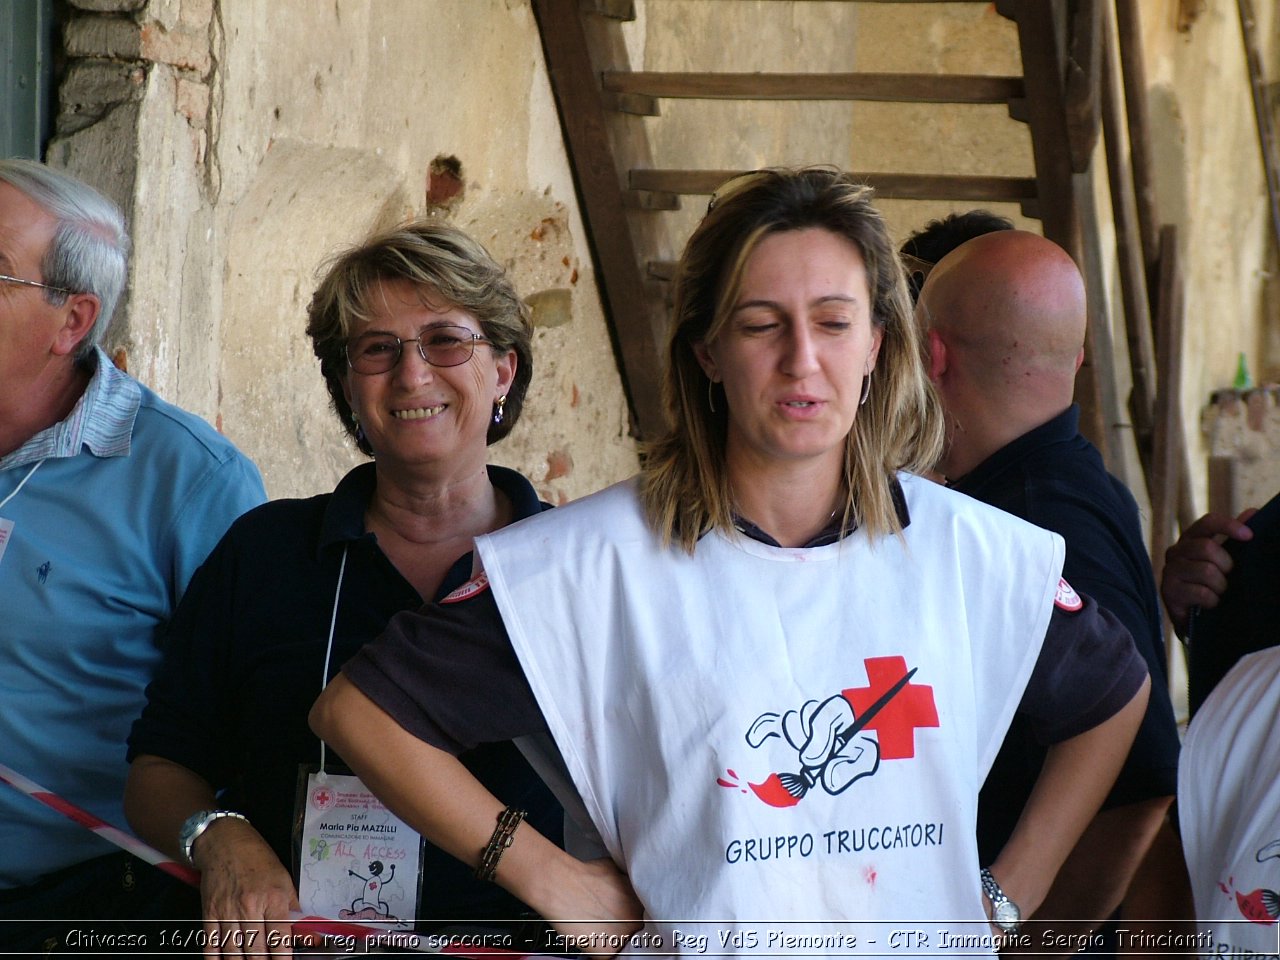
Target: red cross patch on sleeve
1066, 598
472, 587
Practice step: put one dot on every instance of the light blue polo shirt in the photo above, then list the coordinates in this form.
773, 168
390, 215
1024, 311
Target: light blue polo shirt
130, 495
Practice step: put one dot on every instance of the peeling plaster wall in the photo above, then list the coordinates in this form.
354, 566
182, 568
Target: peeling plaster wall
1210, 182
250, 140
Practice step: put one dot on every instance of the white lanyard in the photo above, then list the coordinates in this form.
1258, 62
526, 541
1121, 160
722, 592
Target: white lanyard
22, 483
333, 622
345, 832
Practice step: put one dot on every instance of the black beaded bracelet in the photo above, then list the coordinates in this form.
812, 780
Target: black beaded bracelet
503, 834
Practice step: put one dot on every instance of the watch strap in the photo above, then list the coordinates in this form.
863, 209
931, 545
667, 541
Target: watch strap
196, 824
998, 897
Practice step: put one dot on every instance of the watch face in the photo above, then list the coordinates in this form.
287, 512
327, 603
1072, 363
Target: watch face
1006, 915
187, 832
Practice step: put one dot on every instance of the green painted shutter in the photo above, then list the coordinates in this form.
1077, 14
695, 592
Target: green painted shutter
27, 37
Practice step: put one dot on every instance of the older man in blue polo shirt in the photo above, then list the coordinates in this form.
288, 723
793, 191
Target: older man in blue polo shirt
1005, 314
109, 500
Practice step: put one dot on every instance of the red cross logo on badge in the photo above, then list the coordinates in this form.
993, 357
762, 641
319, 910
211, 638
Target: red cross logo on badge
322, 798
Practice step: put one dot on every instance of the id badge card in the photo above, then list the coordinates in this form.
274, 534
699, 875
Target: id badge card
354, 859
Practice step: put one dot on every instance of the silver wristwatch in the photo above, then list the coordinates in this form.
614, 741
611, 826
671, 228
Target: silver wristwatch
197, 824
1004, 912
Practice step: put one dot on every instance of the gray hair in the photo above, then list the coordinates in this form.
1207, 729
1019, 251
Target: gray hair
89, 252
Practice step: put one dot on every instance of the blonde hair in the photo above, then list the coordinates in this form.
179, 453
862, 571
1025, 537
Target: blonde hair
685, 485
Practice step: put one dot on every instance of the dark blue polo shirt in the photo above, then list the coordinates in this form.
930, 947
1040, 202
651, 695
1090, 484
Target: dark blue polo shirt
1054, 478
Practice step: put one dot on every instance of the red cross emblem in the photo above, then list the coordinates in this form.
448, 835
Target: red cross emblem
897, 720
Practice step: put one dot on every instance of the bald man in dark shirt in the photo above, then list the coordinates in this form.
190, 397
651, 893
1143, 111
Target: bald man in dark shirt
1006, 318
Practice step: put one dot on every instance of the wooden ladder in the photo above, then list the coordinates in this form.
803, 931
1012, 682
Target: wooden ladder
1068, 91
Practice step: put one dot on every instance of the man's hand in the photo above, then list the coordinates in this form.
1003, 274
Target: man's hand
1196, 567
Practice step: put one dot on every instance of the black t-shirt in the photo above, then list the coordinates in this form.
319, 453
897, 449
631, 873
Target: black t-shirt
1247, 619
428, 668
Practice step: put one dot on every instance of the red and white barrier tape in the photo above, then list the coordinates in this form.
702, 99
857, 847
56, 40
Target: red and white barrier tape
302, 925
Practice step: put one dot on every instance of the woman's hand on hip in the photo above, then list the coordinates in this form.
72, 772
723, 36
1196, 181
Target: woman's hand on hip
604, 908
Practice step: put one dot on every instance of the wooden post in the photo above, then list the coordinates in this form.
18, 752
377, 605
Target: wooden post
1262, 111
1133, 276
1168, 423
1134, 72
1136, 219
576, 86
1041, 38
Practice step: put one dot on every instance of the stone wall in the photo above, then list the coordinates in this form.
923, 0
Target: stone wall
249, 140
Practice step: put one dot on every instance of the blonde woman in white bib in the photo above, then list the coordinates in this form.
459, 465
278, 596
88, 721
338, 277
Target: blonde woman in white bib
776, 666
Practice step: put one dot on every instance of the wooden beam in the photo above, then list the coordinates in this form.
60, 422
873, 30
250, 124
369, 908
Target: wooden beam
1140, 224
883, 87
888, 186
651, 200
1100, 351
1168, 425
1224, 486
1134, 73
1082, 94
613, 9
1133, 276
583, 121
1041, 38
633, 104
664, 270
1262, 112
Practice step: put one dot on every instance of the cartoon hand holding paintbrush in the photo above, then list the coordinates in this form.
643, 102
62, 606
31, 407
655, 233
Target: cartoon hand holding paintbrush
825, 737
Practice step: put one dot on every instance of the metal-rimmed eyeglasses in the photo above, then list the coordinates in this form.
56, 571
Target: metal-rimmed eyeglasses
442, 346
5, 278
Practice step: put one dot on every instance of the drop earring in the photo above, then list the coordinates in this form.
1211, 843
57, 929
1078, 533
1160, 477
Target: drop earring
866, 387
355, 419
711, 399
498, 409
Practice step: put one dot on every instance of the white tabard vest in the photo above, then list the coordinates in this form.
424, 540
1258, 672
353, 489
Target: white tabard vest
783, 743
1229, 808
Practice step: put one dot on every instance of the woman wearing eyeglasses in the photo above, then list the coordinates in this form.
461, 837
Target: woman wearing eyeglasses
778, 664
425, 350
